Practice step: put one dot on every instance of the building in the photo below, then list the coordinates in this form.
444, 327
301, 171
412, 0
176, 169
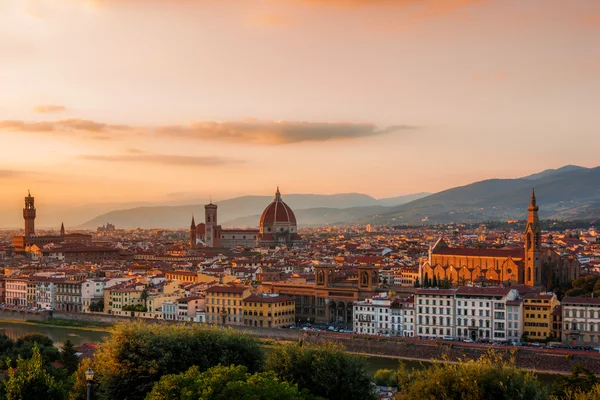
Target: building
81, 252
92, 294
581, 321
224, 304
68, 296
403, 317
15, 292
482, 313
117, 297
434, 309
269, 310
45, 292
278, 225
330, 300
557, 322
211, 234
373, 316
25, 243
537, 315
494, 266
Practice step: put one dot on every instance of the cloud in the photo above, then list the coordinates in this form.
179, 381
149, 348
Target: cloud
243, 131
64, 126
163, 159
275, 132
48, 108
9, 173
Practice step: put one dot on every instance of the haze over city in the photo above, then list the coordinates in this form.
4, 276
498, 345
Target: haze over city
162, 101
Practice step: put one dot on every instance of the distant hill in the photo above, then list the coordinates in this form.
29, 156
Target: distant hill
566, 193
244, 211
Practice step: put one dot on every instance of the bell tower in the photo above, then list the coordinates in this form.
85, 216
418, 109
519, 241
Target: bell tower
533, 245
29, 215
193, 234
210, 219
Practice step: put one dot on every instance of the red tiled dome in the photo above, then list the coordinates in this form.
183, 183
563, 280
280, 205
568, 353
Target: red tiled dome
277, 212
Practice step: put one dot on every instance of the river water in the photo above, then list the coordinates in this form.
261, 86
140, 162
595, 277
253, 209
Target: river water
78, 336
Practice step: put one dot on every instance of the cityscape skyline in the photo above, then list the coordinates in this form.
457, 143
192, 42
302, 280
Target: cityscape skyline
225, 98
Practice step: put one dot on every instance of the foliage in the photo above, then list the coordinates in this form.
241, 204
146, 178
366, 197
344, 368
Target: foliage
136, 355
490, 377
579, 394
581, 379
325, 370
97, 306
385, 377
68, 358
137, 307
583, 286
221, 383
32, 380
80, 381
23, 347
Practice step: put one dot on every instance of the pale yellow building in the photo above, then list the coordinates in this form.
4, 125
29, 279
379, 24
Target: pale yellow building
537, 315
116, 298
224, 304
269, 311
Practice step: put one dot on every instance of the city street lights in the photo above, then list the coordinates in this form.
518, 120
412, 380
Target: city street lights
89, 376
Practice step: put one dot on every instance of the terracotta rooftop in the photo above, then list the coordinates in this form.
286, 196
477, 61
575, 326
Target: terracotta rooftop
226, 289
479, 252
267, 299
581, 300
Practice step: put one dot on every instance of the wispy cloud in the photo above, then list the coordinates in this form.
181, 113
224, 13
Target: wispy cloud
244, 131
9, 173
49, 108
276, 132
163, 159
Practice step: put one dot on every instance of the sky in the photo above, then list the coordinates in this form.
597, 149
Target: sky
148, 100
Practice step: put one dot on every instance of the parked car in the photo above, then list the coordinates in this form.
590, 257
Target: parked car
468, 340
450, 338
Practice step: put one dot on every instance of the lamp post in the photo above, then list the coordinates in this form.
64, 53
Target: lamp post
89, 376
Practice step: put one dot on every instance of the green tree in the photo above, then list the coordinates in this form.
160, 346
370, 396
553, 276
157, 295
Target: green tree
32, 381
581, 379
137, 354
435, 282
68, 357
490, 377
326, 370
426, 280
579, 394
221, 383
417, 283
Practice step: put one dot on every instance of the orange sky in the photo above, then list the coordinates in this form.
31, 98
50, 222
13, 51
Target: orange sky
121, 100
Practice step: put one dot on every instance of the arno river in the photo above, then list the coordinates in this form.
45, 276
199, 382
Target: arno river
78, 336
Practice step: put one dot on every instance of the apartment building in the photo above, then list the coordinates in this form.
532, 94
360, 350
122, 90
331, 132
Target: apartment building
537, 314
581, 321
435, 312
224, 304
269, 310
16, 291
68, 296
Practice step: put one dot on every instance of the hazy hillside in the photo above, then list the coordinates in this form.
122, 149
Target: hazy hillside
570, 193
229, 210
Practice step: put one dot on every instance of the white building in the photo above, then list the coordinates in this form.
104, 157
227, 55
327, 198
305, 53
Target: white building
372, 316
435, 313
581, 321
481, 313
45, 293
403, 317
92, 291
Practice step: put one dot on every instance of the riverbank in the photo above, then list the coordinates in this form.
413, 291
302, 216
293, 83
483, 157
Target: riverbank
57, 324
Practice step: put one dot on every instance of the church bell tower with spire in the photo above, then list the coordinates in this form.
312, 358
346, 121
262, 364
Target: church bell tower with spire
193, 234
533, 245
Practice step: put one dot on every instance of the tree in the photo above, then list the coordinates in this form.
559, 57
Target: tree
385, 377
220, 383
68, 357
490, 377
435, 281
581, 379
137, 354
326, 370
426, 281
32, 381
417, 283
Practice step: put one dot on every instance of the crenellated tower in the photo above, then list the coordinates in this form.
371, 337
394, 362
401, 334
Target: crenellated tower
29, 215
210, 219
533, 245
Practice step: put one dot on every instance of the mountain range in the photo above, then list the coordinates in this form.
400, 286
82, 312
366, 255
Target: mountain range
567, 193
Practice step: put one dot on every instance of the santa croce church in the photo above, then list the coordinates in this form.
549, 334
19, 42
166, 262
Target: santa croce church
529, 265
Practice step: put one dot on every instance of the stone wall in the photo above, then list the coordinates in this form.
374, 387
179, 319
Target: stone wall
22, 315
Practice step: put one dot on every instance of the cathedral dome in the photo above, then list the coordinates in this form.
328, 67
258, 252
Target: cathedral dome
277, 217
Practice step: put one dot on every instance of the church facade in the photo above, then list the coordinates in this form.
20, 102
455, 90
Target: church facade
528, 265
